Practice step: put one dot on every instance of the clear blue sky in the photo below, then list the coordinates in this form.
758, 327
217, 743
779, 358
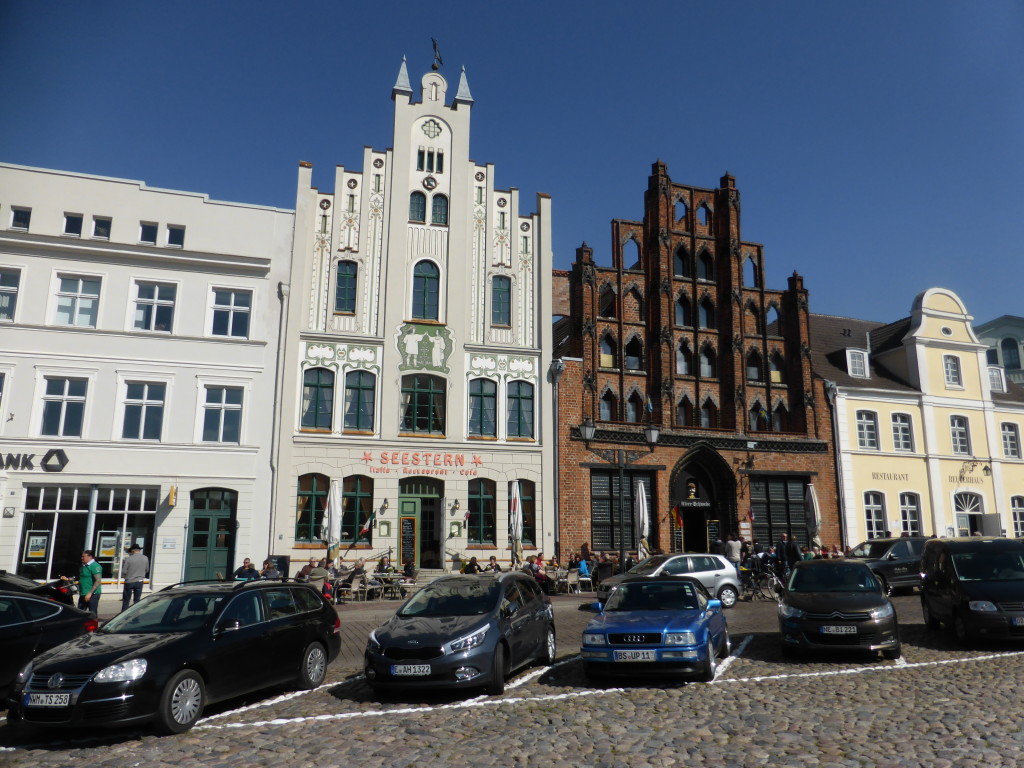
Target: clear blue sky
877, 145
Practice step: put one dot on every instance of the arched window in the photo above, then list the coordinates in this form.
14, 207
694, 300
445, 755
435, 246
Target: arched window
684, 412
634, 408
874, 515
501, 300
709, 414
1017, 511
705, 266
774, 325
684, 315
528, 496
609, 410
681, 211
345, 291
635, 355
684, 360
606, 302
317, 398
706, 314
758, 418
631, 254
439, 210
483, 406
609, 352
777, 366
750, 273
357, 509
310, 503
418, 207
754, 372
426, 284
1011, 354
423, 404
752, 321
360, 401
682, 263
708, 363
520, 409
704, 215
780, 418
480, 522
910, 514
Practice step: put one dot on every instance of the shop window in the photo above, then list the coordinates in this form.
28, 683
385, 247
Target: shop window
481, 519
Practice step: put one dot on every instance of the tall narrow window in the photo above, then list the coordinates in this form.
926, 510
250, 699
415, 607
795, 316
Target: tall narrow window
481, 519
867, 430
777, 369
1011, 440
1017, 510
874, 515
634, 408
501, 300
520, 409
902, 432
154, 306
345, 290
78, 300
780, 418
635, 355
910, 514
143, 411
857, 363
684, 360
423, 404
426, 284
684, 315
1011, 353
960, 435
357, 506
483, 404
606, 303
418, 207
317, 399
682, 262
64, 407
758, 418
222, 416
231, 311
608, 353
439, 210
708, 364
705, 266
684, 412
951, 367
310, 506
360, 401
609, 409
528, 495
10, 279
754, 372
706, 314
709, 414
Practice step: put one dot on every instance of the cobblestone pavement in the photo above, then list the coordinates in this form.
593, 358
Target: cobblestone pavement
941, 705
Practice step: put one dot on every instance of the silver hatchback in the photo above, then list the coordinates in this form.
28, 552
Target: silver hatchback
713, 571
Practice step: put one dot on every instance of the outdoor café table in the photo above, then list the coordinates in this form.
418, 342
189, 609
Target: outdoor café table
391, 584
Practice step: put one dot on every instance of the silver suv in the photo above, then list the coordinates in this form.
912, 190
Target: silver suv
713, 571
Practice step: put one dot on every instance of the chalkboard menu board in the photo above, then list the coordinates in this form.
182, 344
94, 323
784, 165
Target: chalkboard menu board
714, 534
408, 539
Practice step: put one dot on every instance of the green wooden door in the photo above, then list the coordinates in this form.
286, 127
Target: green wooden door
210, 546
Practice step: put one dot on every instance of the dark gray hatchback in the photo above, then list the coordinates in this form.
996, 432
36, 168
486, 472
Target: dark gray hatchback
463, 632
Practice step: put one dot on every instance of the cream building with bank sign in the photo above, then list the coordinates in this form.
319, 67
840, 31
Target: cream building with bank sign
927, 431
416, 352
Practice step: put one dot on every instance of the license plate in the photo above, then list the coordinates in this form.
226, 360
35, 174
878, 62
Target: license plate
410, 670
47, 699
1018, 621
838, 629
635, 656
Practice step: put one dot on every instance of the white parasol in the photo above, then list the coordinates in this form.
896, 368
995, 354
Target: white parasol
641, 521
515, 524
331, 529
813, 512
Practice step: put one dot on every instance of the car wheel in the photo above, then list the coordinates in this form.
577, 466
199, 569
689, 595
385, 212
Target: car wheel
181, 704
963, 635
707, 674
725, 647
930, 620
497, 685
313, 669
891, 654
547, 657
727, 595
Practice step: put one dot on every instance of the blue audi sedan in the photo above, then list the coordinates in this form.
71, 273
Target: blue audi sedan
657, 625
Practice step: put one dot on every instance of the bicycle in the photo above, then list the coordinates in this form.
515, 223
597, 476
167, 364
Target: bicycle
761, 584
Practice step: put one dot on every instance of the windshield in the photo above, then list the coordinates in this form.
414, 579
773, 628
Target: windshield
456, 597
165, 613
874, 550
833, 578
989, 566
653, 597
648, 566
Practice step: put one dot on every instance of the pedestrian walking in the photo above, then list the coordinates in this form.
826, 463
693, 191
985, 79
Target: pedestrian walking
134, 569
90, 583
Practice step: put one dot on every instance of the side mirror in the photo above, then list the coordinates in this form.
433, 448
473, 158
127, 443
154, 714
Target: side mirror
510, 610
229, 626
714, 605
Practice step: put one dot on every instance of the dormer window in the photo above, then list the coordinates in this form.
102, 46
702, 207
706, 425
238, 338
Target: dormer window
995, 378
857, 363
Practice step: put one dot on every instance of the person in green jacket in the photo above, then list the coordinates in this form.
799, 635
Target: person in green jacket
90, 583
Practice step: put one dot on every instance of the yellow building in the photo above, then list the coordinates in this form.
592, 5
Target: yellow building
927, 432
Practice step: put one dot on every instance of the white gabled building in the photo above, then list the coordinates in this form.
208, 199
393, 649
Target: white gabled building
138, 345
417, 351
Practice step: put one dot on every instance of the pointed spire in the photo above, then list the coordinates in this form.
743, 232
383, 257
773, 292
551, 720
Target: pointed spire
402, 84
463, 94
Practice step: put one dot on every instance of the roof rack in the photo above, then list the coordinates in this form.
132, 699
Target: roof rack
236, 583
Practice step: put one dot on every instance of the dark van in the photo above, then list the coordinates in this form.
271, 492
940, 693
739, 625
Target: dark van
896, 560
974, 585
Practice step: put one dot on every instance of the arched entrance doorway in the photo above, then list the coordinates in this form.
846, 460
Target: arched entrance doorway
419, 521
703, 490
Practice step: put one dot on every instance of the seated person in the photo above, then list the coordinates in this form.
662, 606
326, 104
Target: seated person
269, 571
304, 572
584, 567
493, 565
246, 572
384, 565
472, 566
408, 571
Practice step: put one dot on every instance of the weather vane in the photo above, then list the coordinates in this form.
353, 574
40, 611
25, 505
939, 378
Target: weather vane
438, 61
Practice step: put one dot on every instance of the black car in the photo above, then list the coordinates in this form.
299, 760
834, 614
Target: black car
896, 560
30, 625
174, 652
463, 632
837, 605
59, 590
974, 585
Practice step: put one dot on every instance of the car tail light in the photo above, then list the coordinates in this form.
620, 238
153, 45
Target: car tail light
337, 625
91, 625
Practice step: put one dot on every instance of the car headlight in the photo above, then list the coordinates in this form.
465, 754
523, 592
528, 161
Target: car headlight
590, 638
680, 638
123, 672
24, 674
470, 641
789, 612
982, 605
882, 613
372, 642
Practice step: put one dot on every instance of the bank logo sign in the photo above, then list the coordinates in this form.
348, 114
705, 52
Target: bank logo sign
54, 460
